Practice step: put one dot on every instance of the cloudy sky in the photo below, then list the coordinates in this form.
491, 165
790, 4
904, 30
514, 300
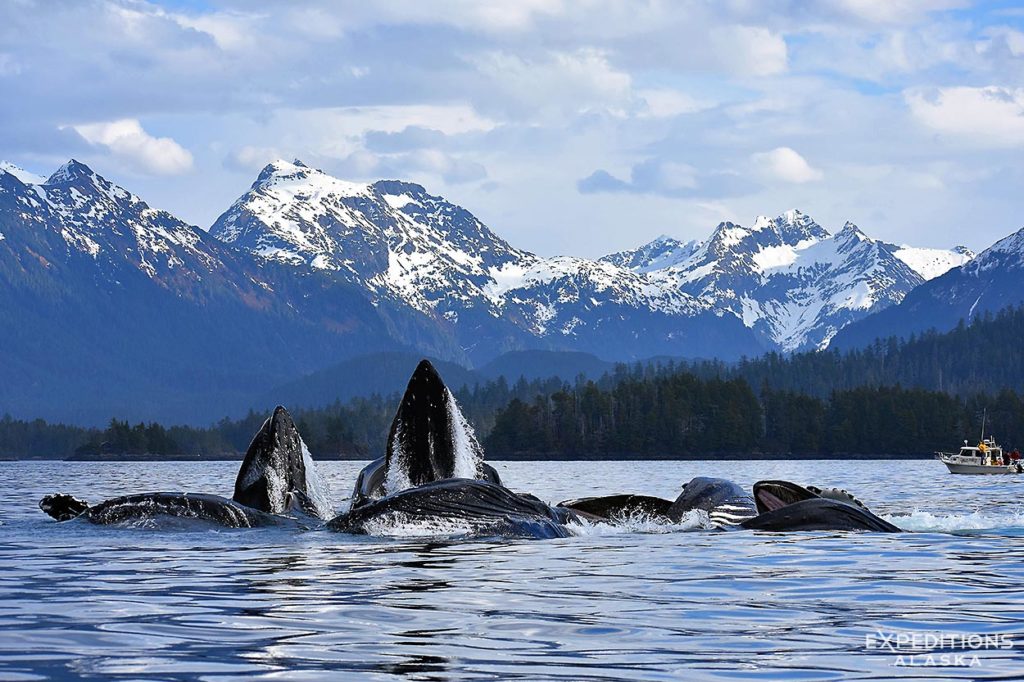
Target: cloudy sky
569, 127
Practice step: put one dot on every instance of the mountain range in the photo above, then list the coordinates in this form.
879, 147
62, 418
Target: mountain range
113, 307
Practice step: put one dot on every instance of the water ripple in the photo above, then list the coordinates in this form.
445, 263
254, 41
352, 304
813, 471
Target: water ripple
637, 601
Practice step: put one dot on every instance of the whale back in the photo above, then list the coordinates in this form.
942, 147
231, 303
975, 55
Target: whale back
429, 439
277, 473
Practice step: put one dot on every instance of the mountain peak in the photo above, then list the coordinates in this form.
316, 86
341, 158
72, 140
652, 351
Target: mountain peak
851, 231
70, 172
794, 226
279, 168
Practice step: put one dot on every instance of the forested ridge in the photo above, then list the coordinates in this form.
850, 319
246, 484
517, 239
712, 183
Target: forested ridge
895, 397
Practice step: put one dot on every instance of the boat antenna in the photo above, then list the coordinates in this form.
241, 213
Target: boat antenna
984, 415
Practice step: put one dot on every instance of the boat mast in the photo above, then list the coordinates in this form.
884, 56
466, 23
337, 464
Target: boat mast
984, 415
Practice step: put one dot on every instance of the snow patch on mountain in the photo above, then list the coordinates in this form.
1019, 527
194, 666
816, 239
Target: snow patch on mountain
22, 174
930, 263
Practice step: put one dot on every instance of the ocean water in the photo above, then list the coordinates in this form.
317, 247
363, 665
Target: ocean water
638, 601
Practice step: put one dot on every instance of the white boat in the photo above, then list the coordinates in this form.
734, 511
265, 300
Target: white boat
984, 458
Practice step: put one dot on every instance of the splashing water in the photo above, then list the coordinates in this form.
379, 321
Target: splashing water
400, 525
928, 522
317, 489
639, 522
398, 468
277, 487
467, 452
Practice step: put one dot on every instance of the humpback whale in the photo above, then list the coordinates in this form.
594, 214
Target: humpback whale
433, 469
429, 441
775, 506
725, 503
485, 508
277, 476
786, 506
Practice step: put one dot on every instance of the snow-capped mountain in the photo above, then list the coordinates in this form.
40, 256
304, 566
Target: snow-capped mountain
121, 308
986, 284
790, 280
399, 242
663, 252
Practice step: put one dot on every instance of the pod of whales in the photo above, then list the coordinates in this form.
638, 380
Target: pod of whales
433, 471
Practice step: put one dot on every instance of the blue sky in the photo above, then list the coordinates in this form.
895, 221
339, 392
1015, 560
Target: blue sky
569, 127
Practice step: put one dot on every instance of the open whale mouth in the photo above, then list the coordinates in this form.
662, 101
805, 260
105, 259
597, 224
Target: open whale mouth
770, 501
773, 495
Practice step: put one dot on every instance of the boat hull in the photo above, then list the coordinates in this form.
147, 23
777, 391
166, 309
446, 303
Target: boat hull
979, 469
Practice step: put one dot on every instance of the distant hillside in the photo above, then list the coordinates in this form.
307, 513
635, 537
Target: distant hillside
983, 356
542, 364
377, 373
388, 372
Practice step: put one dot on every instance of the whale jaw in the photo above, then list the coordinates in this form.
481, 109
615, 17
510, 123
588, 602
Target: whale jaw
274, 467
429, 438
773, 495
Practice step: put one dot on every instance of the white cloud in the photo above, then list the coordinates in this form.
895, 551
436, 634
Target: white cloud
784, 163
250, 158
231, 31
751, 50
989, 116
557, 83
666, 103
129, 142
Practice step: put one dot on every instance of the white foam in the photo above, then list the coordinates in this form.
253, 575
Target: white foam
317, 489
276, 487
467, 451
641, 523
400, 525
923, 521
398, 467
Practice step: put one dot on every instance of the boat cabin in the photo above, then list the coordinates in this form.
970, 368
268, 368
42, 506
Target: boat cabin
986, 452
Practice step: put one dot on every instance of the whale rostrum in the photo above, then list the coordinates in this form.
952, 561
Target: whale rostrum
429, 440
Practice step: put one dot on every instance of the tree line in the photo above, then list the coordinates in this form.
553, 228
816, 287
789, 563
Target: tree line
894, 397
682, 416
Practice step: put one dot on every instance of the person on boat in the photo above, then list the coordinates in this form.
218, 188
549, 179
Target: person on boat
1006, 458
1015, 455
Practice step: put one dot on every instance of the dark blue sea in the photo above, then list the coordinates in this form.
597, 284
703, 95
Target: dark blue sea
636, 601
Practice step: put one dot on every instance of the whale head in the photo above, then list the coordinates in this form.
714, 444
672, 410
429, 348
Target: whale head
430, 439
278, 474
772, 495
725, 503
786, 506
